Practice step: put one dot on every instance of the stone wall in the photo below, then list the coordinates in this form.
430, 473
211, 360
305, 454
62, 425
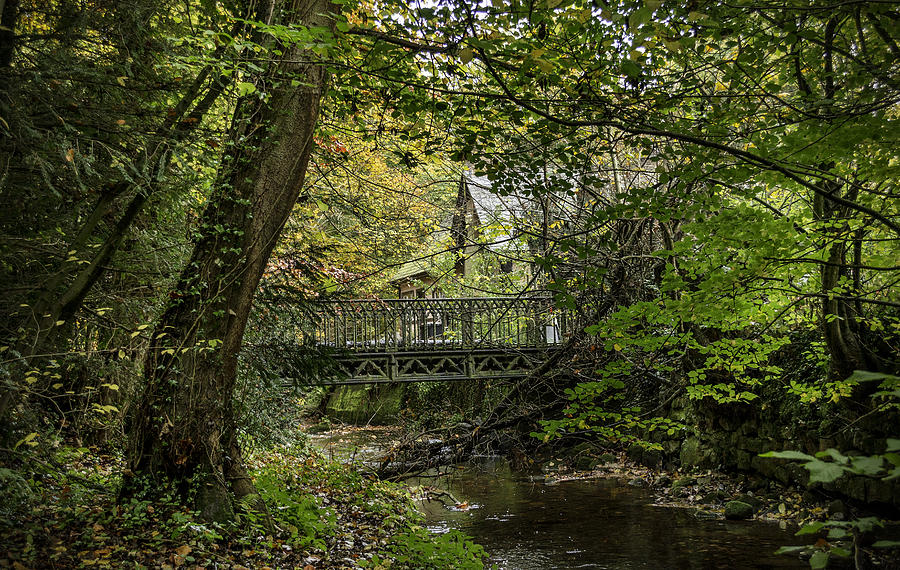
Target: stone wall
731, 437
361, 404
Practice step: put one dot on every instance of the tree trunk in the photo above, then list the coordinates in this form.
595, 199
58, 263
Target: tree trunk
839, 317
184, 429
8, 17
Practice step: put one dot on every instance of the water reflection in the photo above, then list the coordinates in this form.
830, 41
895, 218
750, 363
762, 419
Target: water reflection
601, 523
596, 524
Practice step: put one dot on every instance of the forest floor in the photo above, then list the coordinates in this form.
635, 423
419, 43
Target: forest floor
63, 512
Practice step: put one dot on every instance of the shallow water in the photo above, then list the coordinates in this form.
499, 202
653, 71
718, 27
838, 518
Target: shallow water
599, 523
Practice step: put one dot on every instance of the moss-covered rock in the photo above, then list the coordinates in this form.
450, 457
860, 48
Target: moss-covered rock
607, 458
635, 452
694, 453
651, 458
712, 497
751, 500
738, 510
585, 462
684, 482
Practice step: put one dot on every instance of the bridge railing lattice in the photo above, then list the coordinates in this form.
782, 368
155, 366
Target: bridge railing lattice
397, 325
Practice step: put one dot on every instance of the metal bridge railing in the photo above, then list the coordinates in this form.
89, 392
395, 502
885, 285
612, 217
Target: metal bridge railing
396, 325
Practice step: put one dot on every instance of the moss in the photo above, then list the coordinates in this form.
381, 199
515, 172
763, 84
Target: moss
693, 453
738, 510
365, 405
684, 482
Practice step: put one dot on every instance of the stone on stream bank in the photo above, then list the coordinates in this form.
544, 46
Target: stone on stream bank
684, 482
738, 510
751, 500
584, 457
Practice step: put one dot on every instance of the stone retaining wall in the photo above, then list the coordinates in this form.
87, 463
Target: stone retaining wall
731, 437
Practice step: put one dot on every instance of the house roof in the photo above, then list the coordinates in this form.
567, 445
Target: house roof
410, 270
500, 207
492, 207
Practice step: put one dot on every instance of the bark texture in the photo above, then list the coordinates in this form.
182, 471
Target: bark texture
184, 429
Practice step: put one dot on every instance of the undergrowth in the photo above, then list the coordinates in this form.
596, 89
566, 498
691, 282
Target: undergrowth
62, 511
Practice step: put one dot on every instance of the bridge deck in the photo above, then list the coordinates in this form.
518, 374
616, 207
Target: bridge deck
419, 340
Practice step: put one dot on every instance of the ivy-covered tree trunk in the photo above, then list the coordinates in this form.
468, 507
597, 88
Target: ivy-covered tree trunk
184, 429
841, 317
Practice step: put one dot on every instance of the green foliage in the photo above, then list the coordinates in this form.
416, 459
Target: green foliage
285, 481
719, 223
841, 538
596, 408
66, 514
828, 465
416, 548
821, 471
302, 515
16, 495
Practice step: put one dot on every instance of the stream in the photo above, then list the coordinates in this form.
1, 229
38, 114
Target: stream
587, 523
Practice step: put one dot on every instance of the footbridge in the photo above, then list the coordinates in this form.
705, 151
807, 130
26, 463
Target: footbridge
424, 340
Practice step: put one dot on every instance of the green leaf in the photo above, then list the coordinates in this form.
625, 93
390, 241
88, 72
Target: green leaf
818, 560
245, 88
811, 528
866, 376
630, 68
867, 524
788, 454
835, 455
545, 65
893, 444
886, 543
28, 440
823, 472
867, 465
842, 552
640, 16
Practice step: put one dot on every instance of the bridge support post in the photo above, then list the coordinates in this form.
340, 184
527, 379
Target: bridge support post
468, 327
